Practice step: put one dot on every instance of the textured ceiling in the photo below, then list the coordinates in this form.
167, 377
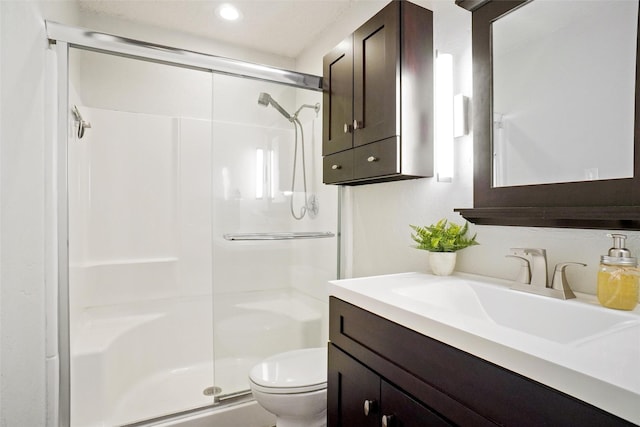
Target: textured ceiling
282, 27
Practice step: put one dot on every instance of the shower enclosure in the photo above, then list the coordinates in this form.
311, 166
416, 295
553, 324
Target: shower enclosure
200, 237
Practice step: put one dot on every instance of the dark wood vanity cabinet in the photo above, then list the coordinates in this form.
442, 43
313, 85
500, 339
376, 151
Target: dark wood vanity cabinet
414, 380
363, 399
378, 99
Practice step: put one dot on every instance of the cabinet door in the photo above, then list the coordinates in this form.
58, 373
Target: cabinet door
400, 410
349, 385
337, 112
376, 59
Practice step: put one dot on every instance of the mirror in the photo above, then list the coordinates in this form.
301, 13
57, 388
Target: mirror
588, 198
563, 92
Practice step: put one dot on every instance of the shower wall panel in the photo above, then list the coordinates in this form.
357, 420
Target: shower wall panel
133, 172
141, 204
195, 208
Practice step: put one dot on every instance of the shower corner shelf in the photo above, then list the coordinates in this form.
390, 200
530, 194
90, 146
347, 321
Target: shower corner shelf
278, 235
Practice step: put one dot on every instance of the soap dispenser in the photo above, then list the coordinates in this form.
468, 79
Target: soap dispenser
618, 276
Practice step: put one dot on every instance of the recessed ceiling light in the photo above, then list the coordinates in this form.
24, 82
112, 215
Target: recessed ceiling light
229, 12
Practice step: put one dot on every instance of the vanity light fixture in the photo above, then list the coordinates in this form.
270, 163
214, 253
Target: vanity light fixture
229, 12
444, 117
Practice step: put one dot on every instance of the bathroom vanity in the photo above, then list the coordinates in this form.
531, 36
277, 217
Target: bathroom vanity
415, 349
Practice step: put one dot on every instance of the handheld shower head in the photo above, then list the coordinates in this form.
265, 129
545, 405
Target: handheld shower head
265, 99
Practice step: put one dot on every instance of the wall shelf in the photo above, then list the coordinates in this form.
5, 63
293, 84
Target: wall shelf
600, 217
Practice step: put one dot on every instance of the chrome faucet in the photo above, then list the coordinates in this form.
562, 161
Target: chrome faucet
532, 276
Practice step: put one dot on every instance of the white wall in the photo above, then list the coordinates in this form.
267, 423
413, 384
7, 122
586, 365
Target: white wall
22, 197
377, 217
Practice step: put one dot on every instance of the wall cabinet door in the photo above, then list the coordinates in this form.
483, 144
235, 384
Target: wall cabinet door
376, 59
337, 98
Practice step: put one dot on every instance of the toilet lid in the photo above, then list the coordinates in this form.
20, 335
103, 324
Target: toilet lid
297, 371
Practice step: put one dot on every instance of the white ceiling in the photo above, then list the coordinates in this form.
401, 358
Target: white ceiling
282, 27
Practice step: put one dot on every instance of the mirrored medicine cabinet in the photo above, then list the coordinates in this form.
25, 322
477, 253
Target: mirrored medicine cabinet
556, 107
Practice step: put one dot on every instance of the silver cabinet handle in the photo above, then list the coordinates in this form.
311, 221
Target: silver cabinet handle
347, 128
387, 420
372, 159
357, 125
369, 407
336, 167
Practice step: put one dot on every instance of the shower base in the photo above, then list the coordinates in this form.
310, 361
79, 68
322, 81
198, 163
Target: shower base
142, 361
180, 390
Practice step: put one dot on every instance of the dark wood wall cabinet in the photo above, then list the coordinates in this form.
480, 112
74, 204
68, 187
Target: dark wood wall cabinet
378, 99
383, 374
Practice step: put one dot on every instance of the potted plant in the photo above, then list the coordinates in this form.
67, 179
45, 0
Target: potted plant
442, 239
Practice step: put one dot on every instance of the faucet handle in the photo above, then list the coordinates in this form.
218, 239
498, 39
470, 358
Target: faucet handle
524, 275
560, 279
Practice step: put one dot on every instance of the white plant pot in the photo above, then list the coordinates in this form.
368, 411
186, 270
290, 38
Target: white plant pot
442, 263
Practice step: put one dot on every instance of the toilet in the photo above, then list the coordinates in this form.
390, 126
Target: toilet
293, 387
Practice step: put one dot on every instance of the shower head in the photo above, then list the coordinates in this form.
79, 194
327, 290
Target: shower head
265, 99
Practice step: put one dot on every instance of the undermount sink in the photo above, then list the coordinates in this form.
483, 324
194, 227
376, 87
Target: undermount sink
565, 322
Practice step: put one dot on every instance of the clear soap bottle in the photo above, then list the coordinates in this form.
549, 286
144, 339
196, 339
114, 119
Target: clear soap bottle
618, 276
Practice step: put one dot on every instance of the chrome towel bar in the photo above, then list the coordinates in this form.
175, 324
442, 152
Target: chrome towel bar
279, 235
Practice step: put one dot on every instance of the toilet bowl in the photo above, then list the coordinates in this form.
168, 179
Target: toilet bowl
293, 387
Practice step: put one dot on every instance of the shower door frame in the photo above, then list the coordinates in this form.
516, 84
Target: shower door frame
61, 39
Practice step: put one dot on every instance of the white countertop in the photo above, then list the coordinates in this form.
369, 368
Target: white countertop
603, 370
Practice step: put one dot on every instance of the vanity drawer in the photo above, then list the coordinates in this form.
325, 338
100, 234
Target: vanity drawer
462, 388
337, 167
380, 158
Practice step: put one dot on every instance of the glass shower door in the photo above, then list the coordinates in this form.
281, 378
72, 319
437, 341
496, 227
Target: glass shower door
269, 268
139, 240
